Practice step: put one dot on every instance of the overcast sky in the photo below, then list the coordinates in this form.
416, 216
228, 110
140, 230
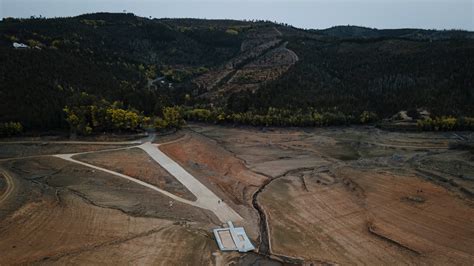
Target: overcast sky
427, 14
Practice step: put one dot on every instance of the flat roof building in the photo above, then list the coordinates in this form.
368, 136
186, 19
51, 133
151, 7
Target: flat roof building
233, 238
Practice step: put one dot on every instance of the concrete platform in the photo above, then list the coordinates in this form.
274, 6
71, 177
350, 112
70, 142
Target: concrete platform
233, 239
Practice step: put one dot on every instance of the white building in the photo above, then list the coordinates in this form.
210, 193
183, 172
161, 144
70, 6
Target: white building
17, 45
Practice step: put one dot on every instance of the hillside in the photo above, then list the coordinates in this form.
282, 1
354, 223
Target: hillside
111, 56
383, 76
235, 66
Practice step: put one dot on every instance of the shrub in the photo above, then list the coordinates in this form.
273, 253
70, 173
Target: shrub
10, 129
368, 117
160, 124
203, 115
465, 123
425, 124
443, 123
173, 117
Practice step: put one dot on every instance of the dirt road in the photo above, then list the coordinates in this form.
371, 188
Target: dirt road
206, 199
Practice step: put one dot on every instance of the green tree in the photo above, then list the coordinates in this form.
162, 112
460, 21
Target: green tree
173, 117
160, 124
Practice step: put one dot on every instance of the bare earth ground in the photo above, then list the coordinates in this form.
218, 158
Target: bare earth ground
361, 195
64, 136
3, 184
136, 163
221, 172
369, 218
63, 212
353, 195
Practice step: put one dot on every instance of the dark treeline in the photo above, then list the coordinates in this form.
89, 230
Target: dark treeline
278, 117
312, 118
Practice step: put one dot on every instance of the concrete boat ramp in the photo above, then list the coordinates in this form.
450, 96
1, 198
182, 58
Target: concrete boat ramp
233, 239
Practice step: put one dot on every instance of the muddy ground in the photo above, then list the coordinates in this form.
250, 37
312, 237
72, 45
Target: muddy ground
354, 195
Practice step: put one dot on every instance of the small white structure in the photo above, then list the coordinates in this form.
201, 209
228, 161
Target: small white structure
17, 45
233, 238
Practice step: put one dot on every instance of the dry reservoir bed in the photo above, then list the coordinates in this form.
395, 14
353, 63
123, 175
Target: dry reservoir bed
334, 195
62, 212
361, 195
137, 164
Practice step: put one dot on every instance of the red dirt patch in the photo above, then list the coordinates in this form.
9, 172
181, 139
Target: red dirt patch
217, 165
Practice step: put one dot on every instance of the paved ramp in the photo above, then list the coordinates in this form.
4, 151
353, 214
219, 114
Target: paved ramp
205, 197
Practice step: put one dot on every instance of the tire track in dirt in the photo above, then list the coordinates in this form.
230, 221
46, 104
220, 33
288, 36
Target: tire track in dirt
10, 186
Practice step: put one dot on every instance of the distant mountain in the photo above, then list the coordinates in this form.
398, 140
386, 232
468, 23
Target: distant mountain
236, 66
416, 34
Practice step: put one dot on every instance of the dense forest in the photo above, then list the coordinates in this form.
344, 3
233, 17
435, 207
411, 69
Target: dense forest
377, 75
111, 56
106, 72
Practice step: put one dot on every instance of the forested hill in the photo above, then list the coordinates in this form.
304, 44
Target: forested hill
381, 76
227, 67
110, 56
415, 34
